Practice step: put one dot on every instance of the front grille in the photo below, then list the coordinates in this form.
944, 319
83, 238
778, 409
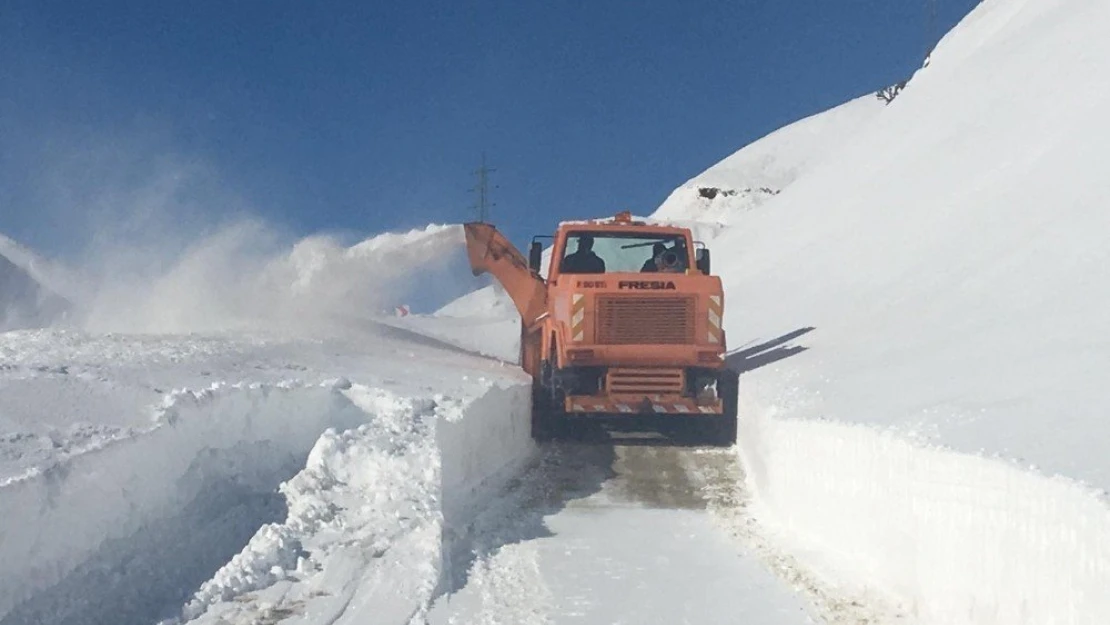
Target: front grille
645, 381
645, 320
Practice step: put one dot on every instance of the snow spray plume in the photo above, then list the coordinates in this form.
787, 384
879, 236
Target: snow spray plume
165, 250
244, 278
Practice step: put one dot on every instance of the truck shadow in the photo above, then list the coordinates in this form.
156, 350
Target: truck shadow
752, 358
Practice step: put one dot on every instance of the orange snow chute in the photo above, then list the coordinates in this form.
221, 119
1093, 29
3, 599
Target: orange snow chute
638, 335
489, 251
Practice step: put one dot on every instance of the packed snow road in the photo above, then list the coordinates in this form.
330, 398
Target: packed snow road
604, 532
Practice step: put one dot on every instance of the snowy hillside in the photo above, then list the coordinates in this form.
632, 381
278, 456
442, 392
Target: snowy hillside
939, 279
759, 172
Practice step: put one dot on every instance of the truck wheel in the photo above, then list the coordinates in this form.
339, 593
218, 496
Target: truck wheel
545, 418
721, 430
543, 426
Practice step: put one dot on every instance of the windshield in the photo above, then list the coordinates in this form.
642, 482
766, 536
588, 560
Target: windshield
601, 252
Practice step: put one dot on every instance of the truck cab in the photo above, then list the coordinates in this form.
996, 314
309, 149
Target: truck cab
626, 321
635, 319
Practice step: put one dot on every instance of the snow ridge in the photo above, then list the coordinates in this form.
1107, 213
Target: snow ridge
371, 515
948, 537
205, 445
361, 490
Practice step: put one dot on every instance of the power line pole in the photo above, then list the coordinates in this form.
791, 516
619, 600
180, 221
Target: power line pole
482, 189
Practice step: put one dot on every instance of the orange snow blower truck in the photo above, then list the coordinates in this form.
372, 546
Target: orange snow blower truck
625, 325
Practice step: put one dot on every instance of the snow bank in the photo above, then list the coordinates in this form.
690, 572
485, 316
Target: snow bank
482, 444
355, 516
361, 491
372, 514
62, 525
947, 537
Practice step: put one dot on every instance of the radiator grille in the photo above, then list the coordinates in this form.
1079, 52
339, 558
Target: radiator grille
645, 381
645, 320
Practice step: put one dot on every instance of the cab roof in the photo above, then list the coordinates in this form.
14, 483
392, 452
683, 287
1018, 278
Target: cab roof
622, 222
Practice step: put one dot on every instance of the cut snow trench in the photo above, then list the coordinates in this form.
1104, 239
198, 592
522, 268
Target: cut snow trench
366, 533
169, 506
947, 536
162, 512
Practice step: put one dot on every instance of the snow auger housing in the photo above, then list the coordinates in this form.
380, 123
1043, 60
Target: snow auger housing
626, 322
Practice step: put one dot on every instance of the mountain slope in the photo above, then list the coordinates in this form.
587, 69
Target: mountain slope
759, 172
939, 279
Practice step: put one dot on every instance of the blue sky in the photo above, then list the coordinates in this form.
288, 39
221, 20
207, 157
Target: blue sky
366, 116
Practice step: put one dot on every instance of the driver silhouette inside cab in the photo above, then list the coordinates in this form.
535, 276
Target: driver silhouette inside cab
666, 260
583, 260
652, 264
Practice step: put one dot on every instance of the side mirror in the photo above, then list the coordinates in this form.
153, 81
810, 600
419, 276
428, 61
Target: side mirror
535, 256
702, 259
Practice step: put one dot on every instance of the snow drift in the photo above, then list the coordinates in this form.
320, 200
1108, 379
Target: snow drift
920, 339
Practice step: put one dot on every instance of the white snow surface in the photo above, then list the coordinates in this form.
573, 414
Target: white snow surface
917, 319
483, 321
921, 332
760, 171
168, 451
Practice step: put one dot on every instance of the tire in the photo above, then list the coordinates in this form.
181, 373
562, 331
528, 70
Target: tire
721, 430
543, 425
545, 418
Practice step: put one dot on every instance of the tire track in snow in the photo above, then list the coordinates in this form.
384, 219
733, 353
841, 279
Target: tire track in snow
499, 573
728, 500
